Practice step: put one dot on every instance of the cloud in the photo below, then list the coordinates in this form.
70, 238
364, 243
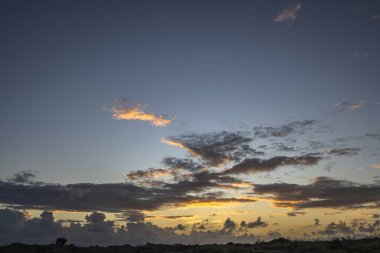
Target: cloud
123, 110
23, 177
180, 227
131, 216
295, 127
229, 225
255, 165
346, 106
148, 175
375, 166
117, 197
15, 226
288, 14
215, 148
323, 192
257, 223
182, 164
359, 228
340, 228
173, 217
295, 213
360, 54
343, 151
44, 229
372, 136
284, 148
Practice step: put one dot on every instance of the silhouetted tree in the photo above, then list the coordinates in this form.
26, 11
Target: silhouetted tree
60, 242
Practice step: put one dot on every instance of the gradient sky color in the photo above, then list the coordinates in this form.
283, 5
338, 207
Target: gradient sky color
92, 91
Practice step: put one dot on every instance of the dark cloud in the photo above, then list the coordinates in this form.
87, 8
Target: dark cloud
173, 217
322, 192
15, 226
180, 227
341, 228
182, 164
295, 127
229, 224
317, 222
216, 148
284, 148
343, 151
295, 213
255, 165
23, 177
257, 223
44, 229
149, 176
201, 227
131, 216
117, 197
373, 136
359, 228
273, 235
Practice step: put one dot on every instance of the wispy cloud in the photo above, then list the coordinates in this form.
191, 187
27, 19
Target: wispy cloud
346, 106
294, 127
123, 110
343, 151
360, 54
375, 166
288, 14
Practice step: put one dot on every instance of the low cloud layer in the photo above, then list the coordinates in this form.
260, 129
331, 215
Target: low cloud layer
15, 226
323, 192
123, 110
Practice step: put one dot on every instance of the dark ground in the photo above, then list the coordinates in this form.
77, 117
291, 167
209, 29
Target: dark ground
277, 245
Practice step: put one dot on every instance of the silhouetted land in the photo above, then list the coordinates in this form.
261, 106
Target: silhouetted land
275, 246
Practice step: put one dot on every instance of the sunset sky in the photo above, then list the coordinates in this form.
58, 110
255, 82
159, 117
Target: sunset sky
189, 121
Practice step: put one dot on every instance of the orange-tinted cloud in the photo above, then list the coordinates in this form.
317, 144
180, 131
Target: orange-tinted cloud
125, 111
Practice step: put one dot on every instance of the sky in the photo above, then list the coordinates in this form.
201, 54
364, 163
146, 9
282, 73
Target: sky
189, 121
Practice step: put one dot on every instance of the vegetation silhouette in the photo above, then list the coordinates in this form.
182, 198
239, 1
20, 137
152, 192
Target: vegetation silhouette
280, 245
